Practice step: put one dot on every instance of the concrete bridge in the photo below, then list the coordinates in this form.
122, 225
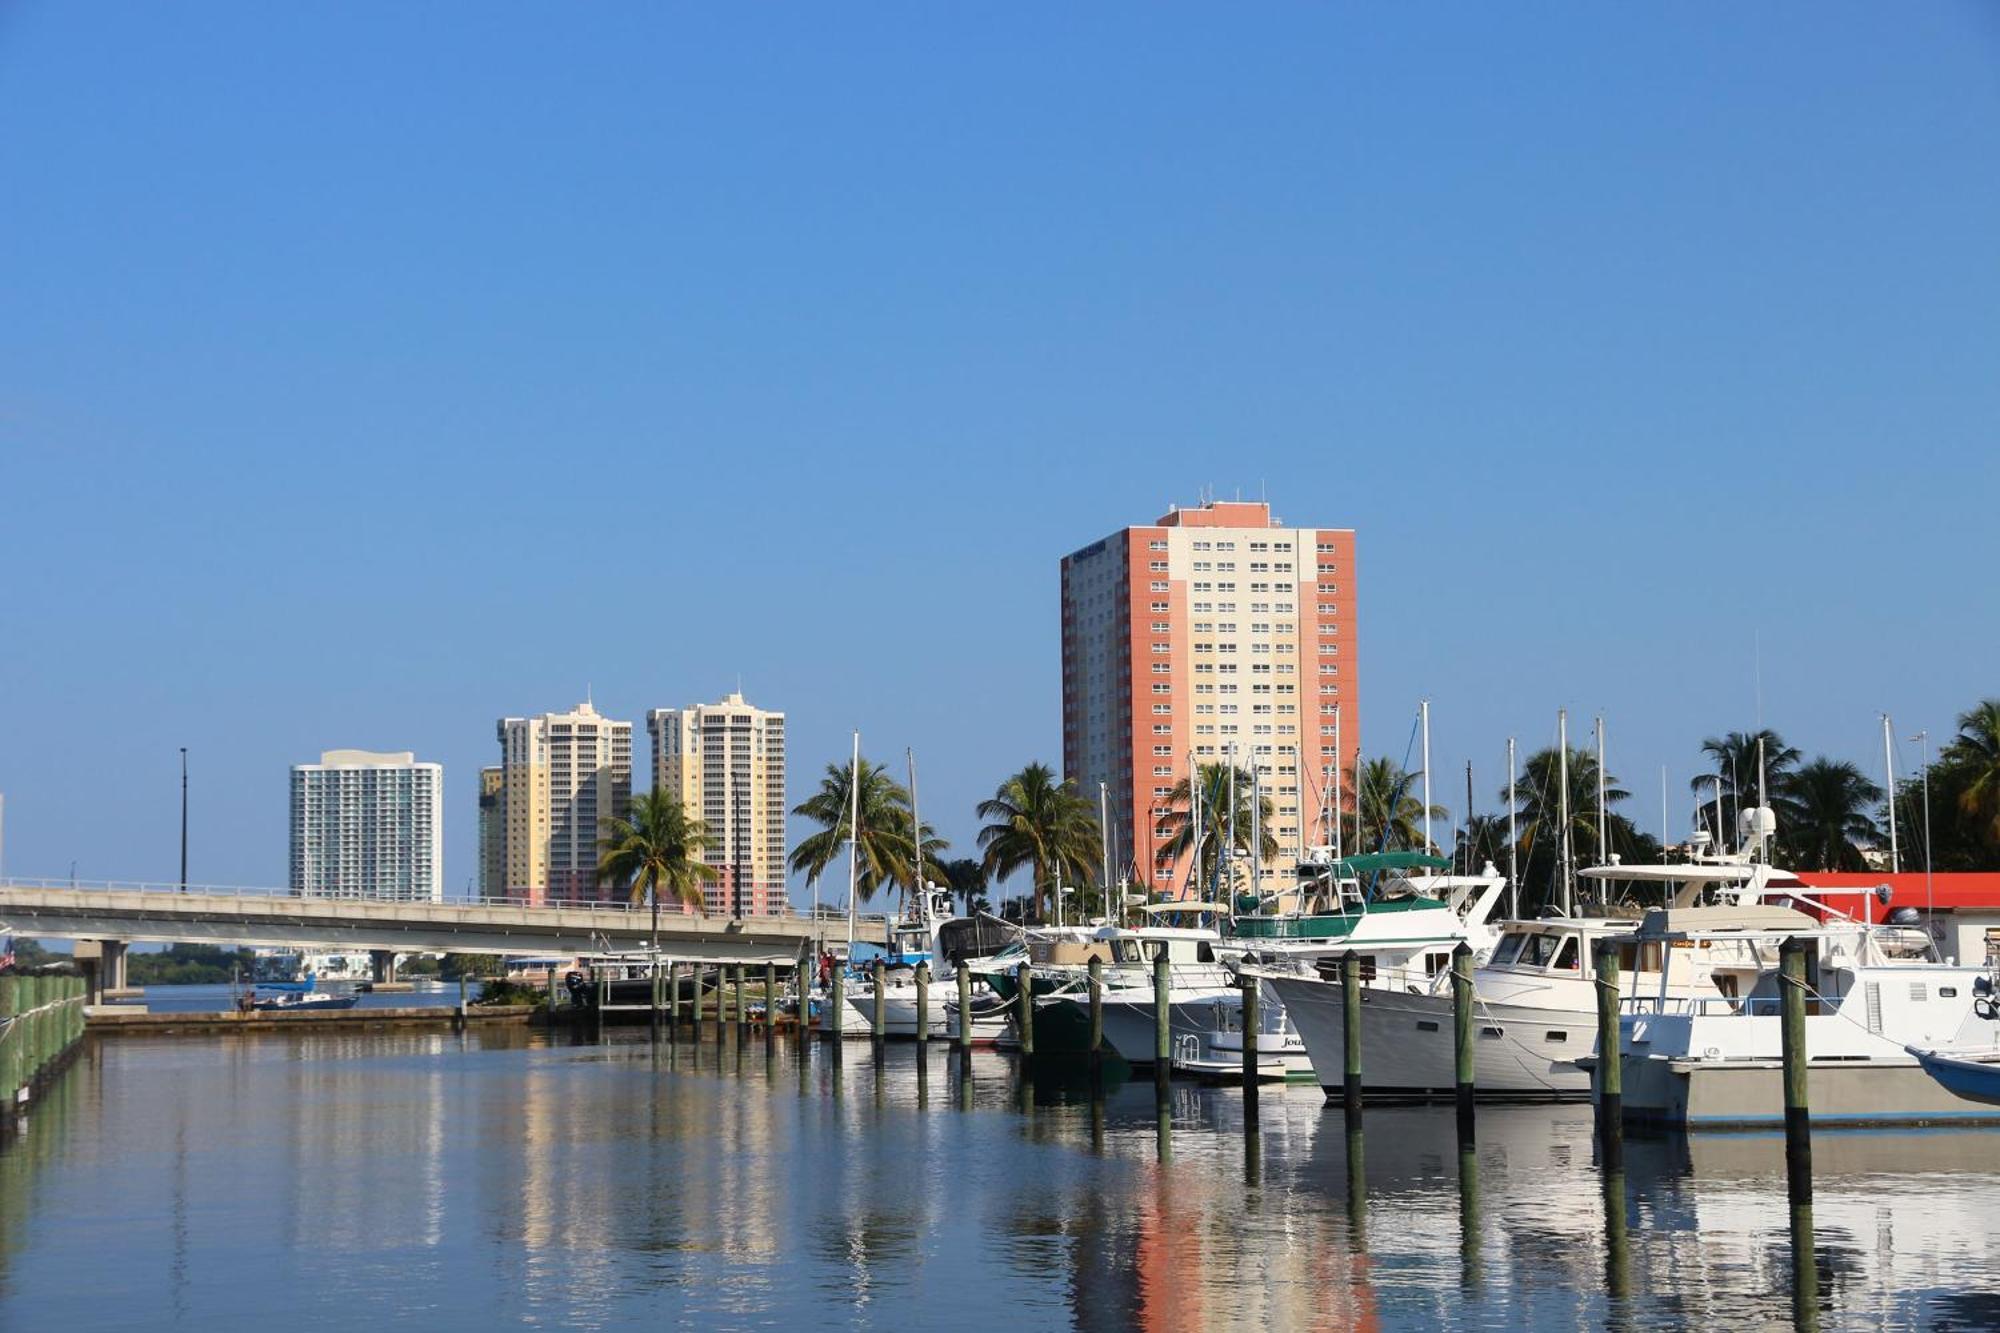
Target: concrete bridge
105, 918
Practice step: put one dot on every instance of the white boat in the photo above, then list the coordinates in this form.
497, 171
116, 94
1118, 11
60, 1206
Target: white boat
1536, 996
1214, 1050
928, 935
1873, 993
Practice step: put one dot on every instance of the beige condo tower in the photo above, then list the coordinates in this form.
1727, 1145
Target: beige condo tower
561, 773
726, 762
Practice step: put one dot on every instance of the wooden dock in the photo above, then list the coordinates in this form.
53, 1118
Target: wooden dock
109, 1020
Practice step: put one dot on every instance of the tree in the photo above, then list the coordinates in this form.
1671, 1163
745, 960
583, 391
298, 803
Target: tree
1207, 842
1830, 802
658, 847
1735, 759
885, 851
967, 879
1040, 823
1970, 763
1390, 815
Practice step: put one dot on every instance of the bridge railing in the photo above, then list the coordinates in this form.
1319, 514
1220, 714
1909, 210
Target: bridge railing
546, 902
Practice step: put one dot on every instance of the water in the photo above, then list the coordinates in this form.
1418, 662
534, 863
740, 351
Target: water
436, 1181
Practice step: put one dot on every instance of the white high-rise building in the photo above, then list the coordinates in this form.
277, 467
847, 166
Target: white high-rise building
368, 825
561, 774
726, 762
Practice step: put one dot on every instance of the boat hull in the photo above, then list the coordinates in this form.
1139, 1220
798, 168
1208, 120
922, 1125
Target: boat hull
1725, 1094
1520, 1052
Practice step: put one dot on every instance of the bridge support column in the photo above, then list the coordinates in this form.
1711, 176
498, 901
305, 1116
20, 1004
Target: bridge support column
382, 964
103, 964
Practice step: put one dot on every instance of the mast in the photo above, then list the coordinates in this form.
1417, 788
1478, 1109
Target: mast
1889, 766
1104, 835
1469, 867
1195, 830
1923, 738
1229, 838
1562, 808
853, 839
1603, 836
1513, 842
1424, 711
1761, 850
1256, 828
1663, 812
1337, 815
917, 846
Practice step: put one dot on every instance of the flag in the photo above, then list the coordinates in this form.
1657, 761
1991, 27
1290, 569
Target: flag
6, 951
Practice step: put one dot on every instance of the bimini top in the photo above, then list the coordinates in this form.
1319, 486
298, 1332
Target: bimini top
1680, 922
1704, 874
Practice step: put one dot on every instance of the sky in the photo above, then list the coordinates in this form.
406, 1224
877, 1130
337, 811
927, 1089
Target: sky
370, 372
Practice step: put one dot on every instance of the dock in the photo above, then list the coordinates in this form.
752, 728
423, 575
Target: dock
116, 1020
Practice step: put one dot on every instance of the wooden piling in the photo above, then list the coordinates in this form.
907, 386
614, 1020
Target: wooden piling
923, 1003
879, 1016
1609, 1076
964, 1006
770, 996
1792, 957
1248, 986
1096, 969
1350, 1034
1461, 1026
1162, 1018
836, 1005
1024, 978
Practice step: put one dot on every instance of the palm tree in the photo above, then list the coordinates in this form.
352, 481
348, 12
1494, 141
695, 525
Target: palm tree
1213, 835
884, 849
1971, 765
967, 879
657, 847
1735, 759
1390, 814
1831, 801
1041, 823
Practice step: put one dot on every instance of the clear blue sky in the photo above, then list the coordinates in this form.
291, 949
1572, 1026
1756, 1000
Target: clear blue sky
368, 372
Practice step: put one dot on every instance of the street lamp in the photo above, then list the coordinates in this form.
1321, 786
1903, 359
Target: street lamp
184, 819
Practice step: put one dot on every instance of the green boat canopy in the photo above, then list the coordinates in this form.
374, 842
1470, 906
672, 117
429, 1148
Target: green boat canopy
1369, 862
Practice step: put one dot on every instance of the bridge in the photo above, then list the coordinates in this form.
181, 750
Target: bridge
105, 918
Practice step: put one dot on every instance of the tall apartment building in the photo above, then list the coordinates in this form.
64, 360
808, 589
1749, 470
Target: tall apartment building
368, 825
560, 774
1215, 626
492, 832
726, 761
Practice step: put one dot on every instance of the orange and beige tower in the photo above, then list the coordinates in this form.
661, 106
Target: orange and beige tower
1214, 627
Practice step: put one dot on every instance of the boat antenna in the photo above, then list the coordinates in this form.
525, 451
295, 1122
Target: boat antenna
1229, 848
1603, 833
1256, 830
1923, 738
1470, 867
916, 847
1104, 839
1757, 829
1335, 794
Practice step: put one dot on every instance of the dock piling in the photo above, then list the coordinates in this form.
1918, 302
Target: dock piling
1249, 990
923, 1004
1350, 1034
1610, 1072
1792, 956
1024, 977
879, 1018
964, 1006
836, 1008
1461, 1025
1096, 1016
1162, 1019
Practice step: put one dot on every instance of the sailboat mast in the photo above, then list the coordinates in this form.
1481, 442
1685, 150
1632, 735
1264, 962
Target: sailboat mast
1513, 842
1256, 827
1104, 835
1761, 853
1562, 808
1195, 828
1337, 816
1889, 768
853, 839
1470, 868
1603, 834
916, 846
1229, 846
1424, 711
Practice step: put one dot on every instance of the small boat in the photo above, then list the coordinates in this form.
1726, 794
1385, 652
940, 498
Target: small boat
293, 997
1973, 1075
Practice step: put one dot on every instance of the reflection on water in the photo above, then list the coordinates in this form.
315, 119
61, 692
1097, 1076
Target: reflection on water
494, 1179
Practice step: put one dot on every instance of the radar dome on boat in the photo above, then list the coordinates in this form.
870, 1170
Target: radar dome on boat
1757, 821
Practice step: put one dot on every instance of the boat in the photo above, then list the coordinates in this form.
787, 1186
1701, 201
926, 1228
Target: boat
928, 935
1214, 1050
1536, 995
292, 997
1873, 993
1972, 1075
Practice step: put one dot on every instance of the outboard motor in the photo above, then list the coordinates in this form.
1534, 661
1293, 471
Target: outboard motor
579, 989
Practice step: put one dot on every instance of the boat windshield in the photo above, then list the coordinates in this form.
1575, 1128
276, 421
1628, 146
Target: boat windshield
1509, 948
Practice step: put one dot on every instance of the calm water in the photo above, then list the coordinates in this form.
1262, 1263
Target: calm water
390, 1180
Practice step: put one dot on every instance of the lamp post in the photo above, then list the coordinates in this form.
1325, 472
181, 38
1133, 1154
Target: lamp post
184, 819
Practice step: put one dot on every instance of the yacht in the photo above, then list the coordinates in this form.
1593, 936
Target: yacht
1878, 1001
1536, 995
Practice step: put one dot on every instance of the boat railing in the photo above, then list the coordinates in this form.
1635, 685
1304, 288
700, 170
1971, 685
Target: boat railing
1703, 1006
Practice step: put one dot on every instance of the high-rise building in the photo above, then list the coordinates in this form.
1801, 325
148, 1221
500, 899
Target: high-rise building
561, 773
726, 761
1214, 627
368, 825
492, 832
